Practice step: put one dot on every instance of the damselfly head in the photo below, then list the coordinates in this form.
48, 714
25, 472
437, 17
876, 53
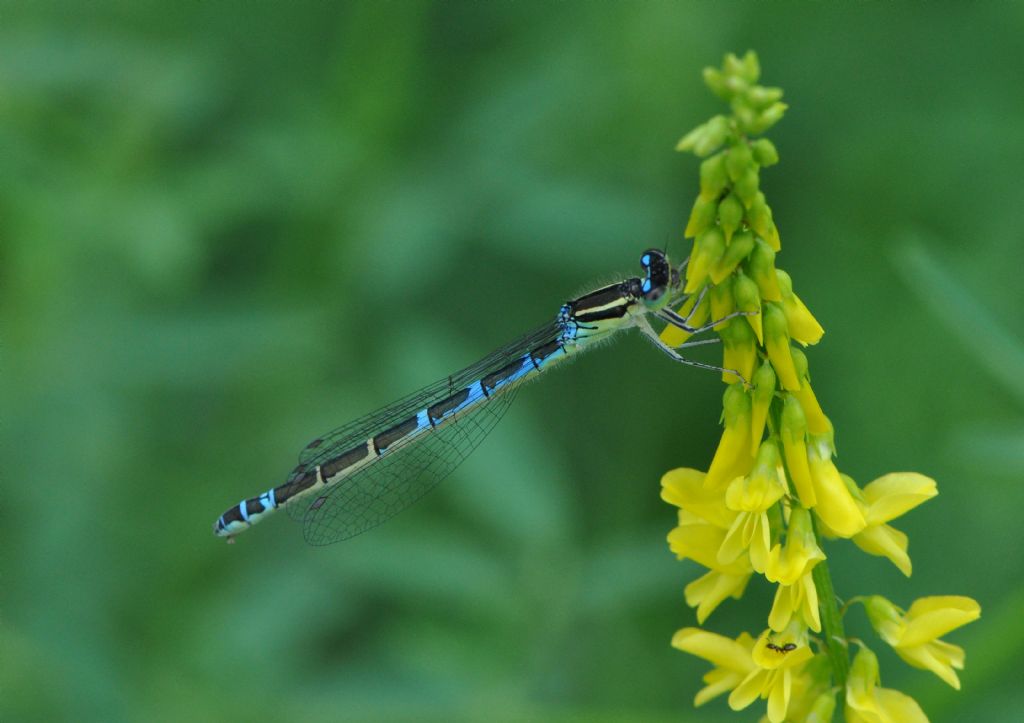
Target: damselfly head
658, 277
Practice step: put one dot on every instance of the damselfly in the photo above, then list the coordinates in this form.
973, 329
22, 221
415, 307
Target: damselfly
359, 475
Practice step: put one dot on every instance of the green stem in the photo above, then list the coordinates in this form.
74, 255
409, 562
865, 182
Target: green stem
831, 620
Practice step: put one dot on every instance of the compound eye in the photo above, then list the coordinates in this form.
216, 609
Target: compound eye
646, 286
645, 260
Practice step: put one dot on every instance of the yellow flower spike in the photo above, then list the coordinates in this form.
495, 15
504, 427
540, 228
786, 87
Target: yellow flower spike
776, 340
884, 499
835, 505
739, 348
722, 302
866, 702
764, 390
772, 683
803, 327
788, 563
751, 496
817, 422
915, 636
702, 217
732, 458
738, 249
794, 445
748, 298
798, 601
673, 335
761, 268
707, 250
731, 659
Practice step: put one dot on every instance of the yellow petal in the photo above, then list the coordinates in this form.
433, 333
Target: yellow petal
719, 650
684, 488
835, 504
896, 706
749, 690
932, 617
885, 541
778, 697
938, 657
895, 494
709, 591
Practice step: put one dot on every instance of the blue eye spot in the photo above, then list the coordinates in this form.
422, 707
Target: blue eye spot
645, 260
646, 287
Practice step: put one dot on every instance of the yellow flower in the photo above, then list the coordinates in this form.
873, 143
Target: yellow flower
703, 521
788, 563
803, 327
817, 422
797, 601
834, 503
868, 703
812, 697
732, 458
751, 496
914, 636
773, 676
776, 342
794, 445
886, 498
731, 658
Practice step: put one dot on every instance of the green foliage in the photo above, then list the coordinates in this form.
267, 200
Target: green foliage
227, 228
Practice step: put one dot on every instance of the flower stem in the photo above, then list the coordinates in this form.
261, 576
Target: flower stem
831, 620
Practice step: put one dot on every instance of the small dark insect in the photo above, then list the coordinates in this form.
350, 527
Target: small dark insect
781, 648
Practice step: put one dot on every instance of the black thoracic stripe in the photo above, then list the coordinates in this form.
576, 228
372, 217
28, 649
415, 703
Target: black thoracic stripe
389, 436
601, 297
612, 312
437, 411
343, 461
491, 381
541, 353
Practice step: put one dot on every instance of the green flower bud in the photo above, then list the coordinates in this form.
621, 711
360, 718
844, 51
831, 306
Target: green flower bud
707, 250
759, 216
746, 185
761, 267
702, 217
748, 298
730, 215
715, 133
713, 177
714, 80
738, 249
738, 159
764, 390
751, 67
764, 152
761, 97
776, 339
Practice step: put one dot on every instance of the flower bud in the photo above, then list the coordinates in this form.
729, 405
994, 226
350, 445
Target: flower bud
764, 390
748, 298
714, 80
707, 250
740, 350
722, 302
738, 160
761, 268
817, 422
732, 458
764, 152
702, 217
802, 325
776, 340
767, 118
716, 131
713, 177
738, 249
746, 186
730, 215
761, 97
794, 445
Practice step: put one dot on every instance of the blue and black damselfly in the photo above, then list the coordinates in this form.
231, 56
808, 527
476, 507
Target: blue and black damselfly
359, 475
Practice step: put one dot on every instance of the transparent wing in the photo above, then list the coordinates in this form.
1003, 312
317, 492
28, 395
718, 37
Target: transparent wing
378, 492
435, 461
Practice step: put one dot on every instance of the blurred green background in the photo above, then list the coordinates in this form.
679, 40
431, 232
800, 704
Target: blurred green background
229, 227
